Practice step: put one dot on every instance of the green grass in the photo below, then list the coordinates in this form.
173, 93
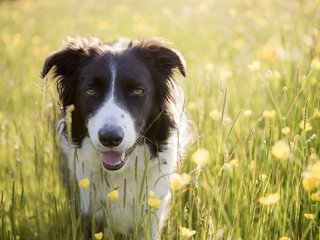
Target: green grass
219, 39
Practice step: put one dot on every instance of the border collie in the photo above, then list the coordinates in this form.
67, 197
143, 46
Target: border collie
126, 126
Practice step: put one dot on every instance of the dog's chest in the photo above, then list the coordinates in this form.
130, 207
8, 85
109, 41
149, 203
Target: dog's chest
133, 185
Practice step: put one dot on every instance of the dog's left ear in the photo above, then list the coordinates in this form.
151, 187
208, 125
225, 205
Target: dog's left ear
160, 56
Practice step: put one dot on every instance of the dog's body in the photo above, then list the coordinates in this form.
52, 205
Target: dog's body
126, 127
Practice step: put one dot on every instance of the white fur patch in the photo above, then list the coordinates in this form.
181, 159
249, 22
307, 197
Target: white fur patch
113, 115
110, 113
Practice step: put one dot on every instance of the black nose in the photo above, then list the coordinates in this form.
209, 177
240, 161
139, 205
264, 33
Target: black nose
110, 136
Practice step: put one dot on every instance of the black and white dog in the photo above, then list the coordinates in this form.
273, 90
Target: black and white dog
127, 125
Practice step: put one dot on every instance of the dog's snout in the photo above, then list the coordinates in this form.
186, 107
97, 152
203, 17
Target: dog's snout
111, 136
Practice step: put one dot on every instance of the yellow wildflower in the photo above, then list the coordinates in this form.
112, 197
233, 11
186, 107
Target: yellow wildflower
269, 52
35, 40
317, 48
225, 74
215, 115
284, 238
269, 114
280, 150
201, 157
232, 12
315, 170
309, 184
305, 126
254, 66
177, 181
262, 177
84, 183
315, 197
285, 130
313, 81
270, 199
273, 75
2, 116
239, 44
186, 232
98, 236
309, 216
234, 162
316, 113
247, 112
113, 195
192, 105
153, 200
315, 64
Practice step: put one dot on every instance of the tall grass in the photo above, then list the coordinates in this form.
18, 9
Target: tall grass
238, 114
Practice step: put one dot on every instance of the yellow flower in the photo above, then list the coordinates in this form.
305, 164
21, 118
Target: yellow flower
315, 170
239, 44
262, 177
234, 162
254, 66
98, 236
306, 128
215, 115
285, 130
309, 183
315, 197
269, 52
280, 150
316, 113
274, 76
270, 199
35, 40
247, 112
225, 74
315, 64
269, 114
317, 48
192, 105
153, 200
232, 12
309, 216
313, 81
284, 238
113, 195
186, 232
201, 157
84, 183
177, 181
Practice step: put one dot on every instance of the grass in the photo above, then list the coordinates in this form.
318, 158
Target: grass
238, 114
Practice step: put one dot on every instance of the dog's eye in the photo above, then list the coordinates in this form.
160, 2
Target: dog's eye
89, 92
138, 92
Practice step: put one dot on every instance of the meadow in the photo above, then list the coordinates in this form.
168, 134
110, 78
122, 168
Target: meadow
253, 95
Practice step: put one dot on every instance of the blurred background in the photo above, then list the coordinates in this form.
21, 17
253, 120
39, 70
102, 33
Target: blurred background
249, 77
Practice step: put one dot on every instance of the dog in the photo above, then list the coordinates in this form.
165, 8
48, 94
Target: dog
127, 127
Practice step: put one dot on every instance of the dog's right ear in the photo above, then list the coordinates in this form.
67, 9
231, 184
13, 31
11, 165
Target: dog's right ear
65, 63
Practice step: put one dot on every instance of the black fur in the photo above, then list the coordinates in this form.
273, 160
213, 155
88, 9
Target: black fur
150, 62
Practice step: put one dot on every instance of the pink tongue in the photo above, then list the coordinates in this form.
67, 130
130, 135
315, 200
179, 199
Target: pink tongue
112, 158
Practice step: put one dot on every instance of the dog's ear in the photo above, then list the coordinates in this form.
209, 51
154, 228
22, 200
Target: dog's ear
65, 63
160, 56
161, 61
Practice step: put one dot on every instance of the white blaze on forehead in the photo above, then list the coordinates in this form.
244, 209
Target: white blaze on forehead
113, 71
110, 113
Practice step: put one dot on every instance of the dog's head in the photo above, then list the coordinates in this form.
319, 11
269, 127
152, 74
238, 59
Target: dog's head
121, 94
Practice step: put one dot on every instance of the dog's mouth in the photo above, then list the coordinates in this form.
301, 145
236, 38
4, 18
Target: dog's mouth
114, 160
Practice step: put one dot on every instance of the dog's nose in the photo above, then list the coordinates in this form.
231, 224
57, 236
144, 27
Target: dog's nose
110, 136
